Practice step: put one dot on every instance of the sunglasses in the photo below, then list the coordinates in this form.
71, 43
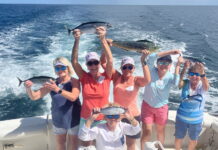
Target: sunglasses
62, 68
90, 63
112, 116
194, 73
163, 63
127, 67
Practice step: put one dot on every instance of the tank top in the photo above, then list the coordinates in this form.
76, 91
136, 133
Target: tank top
190, 109
95, 93
65, 113
126, 96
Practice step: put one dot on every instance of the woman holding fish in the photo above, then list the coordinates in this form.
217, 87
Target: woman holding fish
156, 94
126, 88
95, 85
66, 106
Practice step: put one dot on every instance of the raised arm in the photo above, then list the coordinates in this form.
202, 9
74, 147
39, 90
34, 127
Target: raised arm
115, 73
204, 80
186, 66
142, 81
169, 52
101, 31
77, 67
35, 95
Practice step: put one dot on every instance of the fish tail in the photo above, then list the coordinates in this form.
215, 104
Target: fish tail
20, 81
68, 30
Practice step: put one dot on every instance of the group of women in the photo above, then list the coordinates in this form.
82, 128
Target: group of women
69, 116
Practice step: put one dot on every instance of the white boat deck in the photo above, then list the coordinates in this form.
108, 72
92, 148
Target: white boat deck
35, 133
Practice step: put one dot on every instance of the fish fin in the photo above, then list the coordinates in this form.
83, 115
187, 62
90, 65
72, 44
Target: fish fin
68, 30
144, 41
20, 81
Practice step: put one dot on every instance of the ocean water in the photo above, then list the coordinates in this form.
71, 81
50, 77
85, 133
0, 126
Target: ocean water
31, 36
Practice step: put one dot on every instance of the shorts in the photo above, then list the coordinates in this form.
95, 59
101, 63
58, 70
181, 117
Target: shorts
83, 121
181, 129
136, 136
71, 131
150, 115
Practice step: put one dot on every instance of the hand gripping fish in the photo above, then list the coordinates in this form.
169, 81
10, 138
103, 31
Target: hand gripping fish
89, 27
37, 79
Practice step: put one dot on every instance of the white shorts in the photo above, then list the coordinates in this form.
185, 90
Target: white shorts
71, 131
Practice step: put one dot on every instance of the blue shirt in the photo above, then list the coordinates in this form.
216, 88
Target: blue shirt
65, 113
156, 93
191, 108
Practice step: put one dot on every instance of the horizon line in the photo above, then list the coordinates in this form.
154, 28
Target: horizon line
108, 4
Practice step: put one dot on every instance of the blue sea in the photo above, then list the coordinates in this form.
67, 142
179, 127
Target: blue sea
31, 36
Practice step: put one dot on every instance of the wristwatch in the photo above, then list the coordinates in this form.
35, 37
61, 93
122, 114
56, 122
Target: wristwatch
202, 75
145, 62
60, 91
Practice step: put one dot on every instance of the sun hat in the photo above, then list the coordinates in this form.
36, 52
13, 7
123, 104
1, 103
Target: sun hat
92, 55
127, 60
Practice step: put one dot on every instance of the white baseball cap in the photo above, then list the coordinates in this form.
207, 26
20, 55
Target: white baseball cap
127, 60
58, 63
92, 55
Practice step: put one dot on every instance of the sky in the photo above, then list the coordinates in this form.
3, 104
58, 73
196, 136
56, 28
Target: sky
115, 2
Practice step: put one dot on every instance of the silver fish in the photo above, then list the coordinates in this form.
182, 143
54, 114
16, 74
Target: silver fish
90, 27
136, 46
193, 59
37, 79
114, 110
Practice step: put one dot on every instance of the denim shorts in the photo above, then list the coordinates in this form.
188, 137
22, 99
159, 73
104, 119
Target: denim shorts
182, 128
71, 131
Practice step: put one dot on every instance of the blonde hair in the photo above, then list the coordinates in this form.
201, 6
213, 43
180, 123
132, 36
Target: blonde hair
193, 68
66, 62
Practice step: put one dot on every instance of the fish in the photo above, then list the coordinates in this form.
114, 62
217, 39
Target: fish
136, 46
89, 27
193, 59
113, 110
37, 79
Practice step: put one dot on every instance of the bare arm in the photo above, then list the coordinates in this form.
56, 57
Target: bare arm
186, 66
70, 95
77, 67
107, 51
169, 52
74, 93
35, 95
204, 80
142, 81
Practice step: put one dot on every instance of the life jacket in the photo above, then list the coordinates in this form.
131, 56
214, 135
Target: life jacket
190, 110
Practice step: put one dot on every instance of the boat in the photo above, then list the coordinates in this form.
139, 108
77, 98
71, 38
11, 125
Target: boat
35, 133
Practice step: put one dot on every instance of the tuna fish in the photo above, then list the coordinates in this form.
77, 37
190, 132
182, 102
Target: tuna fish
89, 27
193, 59
136, 46
113, 110
37, 79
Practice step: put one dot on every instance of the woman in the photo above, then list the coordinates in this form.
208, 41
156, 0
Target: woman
95, 85
156, 94
110, 135
66, 106
189, 116
126, 88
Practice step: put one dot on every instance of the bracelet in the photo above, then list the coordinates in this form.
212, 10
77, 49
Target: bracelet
60, 91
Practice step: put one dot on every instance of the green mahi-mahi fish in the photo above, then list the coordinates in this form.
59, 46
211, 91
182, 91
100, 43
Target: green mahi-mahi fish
136, 46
